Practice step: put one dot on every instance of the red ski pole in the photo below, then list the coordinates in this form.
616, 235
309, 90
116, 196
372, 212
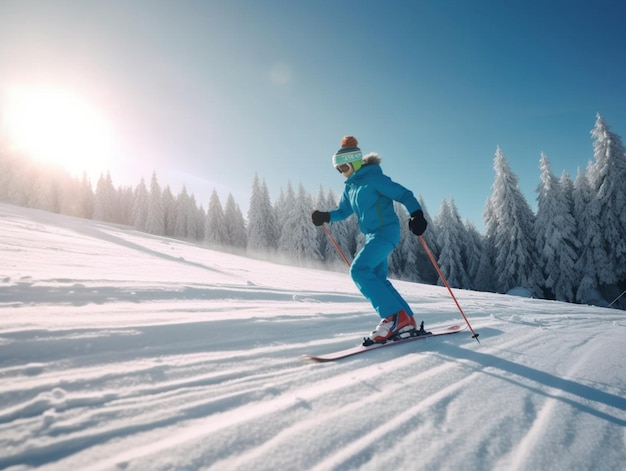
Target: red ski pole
332, 239
445, 282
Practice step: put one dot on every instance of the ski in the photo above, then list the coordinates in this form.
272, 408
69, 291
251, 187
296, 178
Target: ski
348, 352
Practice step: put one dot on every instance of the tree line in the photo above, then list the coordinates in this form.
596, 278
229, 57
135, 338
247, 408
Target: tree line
573, 249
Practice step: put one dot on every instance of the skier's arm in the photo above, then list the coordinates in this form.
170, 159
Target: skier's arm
387, 187
343, 211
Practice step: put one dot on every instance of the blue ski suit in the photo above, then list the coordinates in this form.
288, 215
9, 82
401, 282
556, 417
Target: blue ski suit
370, 195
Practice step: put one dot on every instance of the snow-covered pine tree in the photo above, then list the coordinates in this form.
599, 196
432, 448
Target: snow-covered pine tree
326, 250
105, 204
262, 227
7, 169
509, 224
235, 224
183, 213
409, 248
282, 208
86, 198
216, 231
155, 221
571, 277
348, 235
478, 262
587, 222
607, 176
45, 193
197, 222
555, 232
169, 210
68, 188
426, 272
70, 196
17, 175
299, 236
451, 238
124, 197
140, 206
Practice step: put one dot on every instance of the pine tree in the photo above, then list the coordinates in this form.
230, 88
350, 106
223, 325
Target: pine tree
409, 248
45, 192
285, 205
323, 244
555, 232
450, 239
185, 213
7, 168
216, 232
169, 210
86, 198
155, 221
426, 272
346, 232
70, 196
343, 232
298, 239
509, 224
196, 221
140, 206
587, 222
262, 226
607, 177
105, 204
123, 202
17, 178
571, 270
479, 268
235, 224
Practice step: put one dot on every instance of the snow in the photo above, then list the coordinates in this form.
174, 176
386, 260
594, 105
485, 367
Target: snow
125, 351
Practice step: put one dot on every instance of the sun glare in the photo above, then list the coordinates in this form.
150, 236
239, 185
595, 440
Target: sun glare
57, 127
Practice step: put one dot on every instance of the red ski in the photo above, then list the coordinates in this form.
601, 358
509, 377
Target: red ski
453, 329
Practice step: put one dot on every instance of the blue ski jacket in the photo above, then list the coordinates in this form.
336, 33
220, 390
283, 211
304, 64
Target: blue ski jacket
370, 195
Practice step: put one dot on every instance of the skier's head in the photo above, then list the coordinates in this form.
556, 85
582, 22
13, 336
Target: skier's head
349, 158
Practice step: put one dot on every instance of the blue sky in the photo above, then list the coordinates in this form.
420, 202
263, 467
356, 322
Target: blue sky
208, 93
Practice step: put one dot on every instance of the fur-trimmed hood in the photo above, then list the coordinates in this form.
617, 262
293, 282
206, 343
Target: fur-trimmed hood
371, 159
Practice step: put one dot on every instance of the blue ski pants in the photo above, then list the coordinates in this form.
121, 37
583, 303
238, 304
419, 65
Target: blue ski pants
369, 271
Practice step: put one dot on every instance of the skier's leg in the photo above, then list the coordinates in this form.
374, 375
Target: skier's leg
369, 272
381, 272
399, 297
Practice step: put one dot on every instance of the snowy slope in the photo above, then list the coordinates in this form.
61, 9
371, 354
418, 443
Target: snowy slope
123, 351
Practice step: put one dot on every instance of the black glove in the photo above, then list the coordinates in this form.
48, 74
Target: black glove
320, 217
417, 223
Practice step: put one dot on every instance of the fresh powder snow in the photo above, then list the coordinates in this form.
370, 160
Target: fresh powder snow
125, 351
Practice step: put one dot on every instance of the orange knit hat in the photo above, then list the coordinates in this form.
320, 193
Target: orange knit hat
349, 153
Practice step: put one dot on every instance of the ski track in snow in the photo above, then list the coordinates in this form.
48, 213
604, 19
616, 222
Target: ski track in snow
125, 351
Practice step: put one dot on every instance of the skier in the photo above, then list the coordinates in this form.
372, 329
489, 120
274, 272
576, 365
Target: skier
370, 195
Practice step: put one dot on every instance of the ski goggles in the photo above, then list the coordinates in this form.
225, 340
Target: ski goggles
343, 168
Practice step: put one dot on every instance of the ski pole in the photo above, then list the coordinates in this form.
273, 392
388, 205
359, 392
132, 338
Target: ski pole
613, 302
445, 282
332, 239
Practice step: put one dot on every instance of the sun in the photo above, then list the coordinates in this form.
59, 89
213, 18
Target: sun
56, 127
